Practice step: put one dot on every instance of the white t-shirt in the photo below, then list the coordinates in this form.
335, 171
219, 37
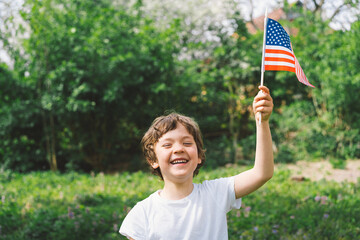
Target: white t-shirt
200, 215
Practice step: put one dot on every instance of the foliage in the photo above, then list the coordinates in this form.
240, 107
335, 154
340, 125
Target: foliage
92, 206
93, 67
19, 124
327, 124
90, 76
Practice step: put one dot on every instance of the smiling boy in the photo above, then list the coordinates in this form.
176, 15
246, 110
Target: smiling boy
182, 210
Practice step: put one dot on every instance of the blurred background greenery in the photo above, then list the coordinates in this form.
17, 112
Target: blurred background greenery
86, 78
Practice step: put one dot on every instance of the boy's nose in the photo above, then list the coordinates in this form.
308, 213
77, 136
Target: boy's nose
178, 148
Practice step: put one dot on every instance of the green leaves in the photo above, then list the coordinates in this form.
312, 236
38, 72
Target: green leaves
101, 72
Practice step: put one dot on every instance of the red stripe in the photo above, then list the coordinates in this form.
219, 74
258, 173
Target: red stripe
279, 68
278, 51
301, 75
275, 59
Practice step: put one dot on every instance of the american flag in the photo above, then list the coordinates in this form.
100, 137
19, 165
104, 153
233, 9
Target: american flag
279, 55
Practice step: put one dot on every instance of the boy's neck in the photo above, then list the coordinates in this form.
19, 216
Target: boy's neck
176, 191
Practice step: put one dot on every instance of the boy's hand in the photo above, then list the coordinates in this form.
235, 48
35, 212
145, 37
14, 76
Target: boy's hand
263, 104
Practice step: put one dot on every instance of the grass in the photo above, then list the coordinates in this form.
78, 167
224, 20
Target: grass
46, 205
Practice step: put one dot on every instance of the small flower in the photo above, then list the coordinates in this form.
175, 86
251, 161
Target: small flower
256, 229
326, 215
317, 198
323, 200
237, 213
247, 211
292, 217
274, 231
70, 213
116, 228
87, 210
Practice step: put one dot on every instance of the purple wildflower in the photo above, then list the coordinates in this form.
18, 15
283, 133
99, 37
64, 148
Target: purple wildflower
317, 198
256, 229
70, 213
247, 211
326, 215
116, 228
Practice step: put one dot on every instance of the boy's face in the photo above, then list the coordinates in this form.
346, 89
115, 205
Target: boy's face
177, 155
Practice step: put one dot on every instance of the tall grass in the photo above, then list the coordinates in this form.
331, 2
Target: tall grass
45, 205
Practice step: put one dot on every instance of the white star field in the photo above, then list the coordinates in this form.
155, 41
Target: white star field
276, 35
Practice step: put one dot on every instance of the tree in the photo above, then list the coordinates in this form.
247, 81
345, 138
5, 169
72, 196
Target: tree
20, 137
97, 71
328, 58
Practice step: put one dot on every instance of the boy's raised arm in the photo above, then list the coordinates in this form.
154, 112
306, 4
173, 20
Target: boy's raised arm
250, 180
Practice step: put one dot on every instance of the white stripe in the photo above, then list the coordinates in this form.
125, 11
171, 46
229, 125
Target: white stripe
277, 55
273, 47
280, 64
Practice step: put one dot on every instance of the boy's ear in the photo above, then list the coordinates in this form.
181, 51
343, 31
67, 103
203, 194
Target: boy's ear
199, 161
154, 165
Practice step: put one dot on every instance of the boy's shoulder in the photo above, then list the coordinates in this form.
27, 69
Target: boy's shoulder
213, 186
218, 182
149, 200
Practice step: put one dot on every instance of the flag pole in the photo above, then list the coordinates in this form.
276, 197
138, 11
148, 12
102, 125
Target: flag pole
263, 57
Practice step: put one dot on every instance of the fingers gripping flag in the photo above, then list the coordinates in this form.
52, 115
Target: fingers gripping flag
279, 55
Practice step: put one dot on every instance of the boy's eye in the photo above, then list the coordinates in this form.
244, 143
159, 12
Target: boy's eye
188, 143
167, 145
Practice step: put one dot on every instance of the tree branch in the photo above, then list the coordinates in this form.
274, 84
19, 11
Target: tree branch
252, 14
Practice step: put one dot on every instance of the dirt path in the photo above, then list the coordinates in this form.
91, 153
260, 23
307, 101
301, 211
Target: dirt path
323, 170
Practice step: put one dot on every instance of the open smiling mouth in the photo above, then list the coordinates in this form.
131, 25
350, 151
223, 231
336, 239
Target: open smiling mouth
179, 161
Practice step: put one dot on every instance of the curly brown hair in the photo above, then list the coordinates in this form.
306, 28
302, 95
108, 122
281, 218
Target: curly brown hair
164, 124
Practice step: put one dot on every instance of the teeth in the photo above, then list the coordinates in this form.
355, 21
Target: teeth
179, 161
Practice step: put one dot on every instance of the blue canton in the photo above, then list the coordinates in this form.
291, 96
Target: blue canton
276, 35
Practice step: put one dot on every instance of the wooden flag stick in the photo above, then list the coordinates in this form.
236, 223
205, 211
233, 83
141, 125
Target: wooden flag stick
263, 57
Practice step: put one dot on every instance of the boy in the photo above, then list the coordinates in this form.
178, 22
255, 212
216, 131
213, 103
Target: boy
183, 210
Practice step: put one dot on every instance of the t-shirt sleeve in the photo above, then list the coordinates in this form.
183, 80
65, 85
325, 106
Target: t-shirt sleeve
134, 224
224, 193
